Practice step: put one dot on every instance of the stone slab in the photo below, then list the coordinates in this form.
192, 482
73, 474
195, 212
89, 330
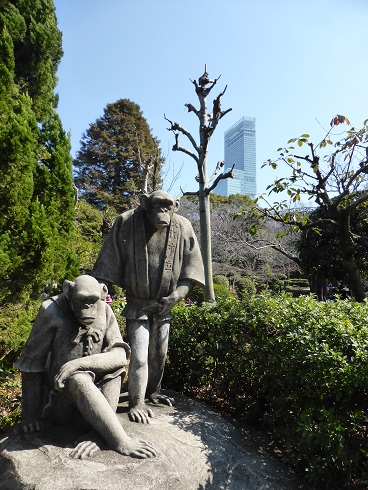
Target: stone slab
198, 449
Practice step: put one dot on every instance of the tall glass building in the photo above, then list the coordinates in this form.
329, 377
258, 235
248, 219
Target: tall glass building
240, 149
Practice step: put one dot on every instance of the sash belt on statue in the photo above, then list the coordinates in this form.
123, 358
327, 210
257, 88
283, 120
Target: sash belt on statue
141, 258
148, 305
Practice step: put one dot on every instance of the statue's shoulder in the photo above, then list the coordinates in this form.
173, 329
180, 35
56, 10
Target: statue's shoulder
55, 308
125, 217
49, 305
184, 223
128, 214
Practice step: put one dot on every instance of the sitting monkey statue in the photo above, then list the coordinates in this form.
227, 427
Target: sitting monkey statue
153, 254
76, 351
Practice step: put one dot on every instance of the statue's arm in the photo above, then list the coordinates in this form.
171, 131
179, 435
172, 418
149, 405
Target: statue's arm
99, 364
183, 288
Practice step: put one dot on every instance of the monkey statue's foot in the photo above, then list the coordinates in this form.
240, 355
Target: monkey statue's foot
87, 445
136, 448
140, 414
158, 398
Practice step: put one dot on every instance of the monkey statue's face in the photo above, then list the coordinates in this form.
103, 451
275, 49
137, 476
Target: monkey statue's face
161, 212
160, 207
85, 308
84, 295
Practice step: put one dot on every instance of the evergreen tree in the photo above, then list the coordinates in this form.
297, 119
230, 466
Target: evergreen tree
37, 51
36, 195
118, 158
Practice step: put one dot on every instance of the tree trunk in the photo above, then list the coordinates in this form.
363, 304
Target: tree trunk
205, 228
355, 281
207, 125
348, 261
317, 283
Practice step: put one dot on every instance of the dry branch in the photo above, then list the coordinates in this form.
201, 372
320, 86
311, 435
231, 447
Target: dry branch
226, 175
177, 127
219, 166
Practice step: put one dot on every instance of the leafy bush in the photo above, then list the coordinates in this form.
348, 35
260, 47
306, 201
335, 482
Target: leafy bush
221, 292
294, 364
223, 280
15, 324
10, 399
244, 286
196, 295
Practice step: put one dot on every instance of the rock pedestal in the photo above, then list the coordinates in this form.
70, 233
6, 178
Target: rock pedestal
197, 450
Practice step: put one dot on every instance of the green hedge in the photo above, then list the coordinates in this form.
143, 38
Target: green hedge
296, 365
15, 324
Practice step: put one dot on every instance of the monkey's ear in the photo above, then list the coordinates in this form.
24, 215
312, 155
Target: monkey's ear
67, 287
143, 199
104, 291
177, 205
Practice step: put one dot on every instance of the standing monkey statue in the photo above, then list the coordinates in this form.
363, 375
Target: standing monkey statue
153, 254
71, 368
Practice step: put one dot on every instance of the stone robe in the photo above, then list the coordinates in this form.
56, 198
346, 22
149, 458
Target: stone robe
57, 337
124, 261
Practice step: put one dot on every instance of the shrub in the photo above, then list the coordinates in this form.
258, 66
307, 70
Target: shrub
244, 286
223, 280
196, 295
221, 292
10, 399
15, 325
296, 365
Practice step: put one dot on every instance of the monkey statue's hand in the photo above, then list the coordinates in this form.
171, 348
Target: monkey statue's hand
167, 302
65, 372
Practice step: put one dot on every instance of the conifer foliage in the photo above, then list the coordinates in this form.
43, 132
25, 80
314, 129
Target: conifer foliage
118, 158
36, 195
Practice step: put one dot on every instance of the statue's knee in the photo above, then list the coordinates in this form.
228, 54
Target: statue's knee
138, 361
78, 381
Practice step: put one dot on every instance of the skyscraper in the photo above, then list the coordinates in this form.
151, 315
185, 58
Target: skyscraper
240, 149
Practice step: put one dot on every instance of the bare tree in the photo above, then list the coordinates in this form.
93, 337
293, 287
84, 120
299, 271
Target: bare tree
149, 164
234, 250
207, 125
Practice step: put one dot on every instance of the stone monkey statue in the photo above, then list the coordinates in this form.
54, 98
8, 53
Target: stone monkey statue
71, 368
154, 255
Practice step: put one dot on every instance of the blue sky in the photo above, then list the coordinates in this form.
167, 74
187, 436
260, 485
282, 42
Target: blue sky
292, 65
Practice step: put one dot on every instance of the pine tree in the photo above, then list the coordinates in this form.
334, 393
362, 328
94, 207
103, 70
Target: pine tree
36, 195
117, 153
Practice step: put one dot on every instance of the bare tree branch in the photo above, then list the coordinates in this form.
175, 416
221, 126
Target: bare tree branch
356, 203
217, 114
176, 147
191, 108
219, 166
201, 89
174, 178
226, 175
189, 193
177, 127
279, 248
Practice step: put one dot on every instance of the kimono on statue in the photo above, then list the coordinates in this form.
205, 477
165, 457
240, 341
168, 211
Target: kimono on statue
124, 260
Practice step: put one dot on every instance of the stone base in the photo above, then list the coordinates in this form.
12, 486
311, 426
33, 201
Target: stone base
197, 450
